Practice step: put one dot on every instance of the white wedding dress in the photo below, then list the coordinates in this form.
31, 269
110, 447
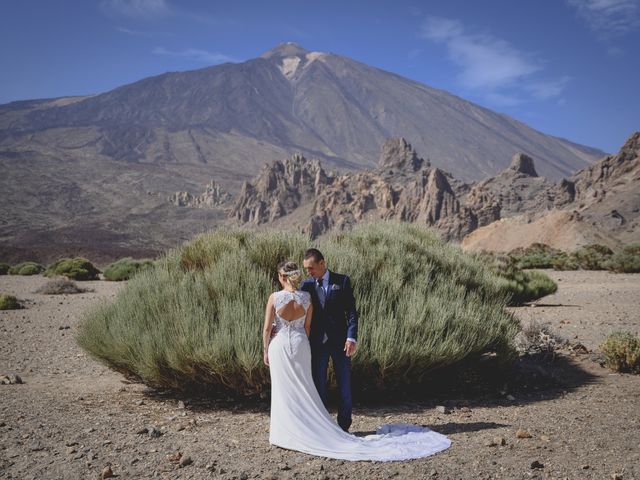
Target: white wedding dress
299, 420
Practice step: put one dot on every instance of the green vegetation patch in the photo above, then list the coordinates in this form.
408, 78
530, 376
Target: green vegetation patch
622, 352
74, 268
125, 268
9, 302
194, 319
26, 268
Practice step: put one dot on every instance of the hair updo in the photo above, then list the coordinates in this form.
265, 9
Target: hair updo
292, 273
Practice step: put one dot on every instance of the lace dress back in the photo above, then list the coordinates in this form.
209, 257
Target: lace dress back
284, 299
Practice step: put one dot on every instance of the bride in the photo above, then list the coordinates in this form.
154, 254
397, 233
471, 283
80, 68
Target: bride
299, 420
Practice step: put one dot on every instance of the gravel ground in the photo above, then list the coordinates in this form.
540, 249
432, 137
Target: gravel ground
72, 417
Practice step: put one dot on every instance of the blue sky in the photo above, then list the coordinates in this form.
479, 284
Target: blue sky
569, 68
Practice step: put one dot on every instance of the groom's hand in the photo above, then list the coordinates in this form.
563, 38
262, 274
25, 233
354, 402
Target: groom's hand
349, 348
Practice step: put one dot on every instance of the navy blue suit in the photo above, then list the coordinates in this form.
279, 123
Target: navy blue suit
338, 320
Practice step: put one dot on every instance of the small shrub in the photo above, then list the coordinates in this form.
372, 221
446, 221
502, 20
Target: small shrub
564, 261
625, 261
125, 268
9, 302
632, 248
74, 268
592, 257
521, 286
622, 352
26, 268
59, 286
536, 255
4, 268
536, 338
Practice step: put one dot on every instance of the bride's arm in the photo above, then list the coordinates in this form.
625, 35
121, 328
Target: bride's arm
269, 314
307, 321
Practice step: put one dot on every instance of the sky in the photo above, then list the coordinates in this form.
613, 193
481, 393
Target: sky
569, 68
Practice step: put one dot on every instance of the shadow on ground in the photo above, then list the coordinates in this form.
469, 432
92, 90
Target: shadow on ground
532, 378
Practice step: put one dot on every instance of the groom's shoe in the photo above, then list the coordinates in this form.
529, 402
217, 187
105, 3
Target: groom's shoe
344, 424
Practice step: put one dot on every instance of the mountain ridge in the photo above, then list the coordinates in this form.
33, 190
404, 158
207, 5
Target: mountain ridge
109, 162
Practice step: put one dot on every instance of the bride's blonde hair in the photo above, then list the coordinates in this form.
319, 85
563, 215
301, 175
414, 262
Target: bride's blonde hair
291, 271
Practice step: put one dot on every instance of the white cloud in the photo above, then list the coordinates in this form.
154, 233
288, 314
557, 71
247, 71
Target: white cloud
486, 61
548, 89
197, 54
489, 65
144, 33
154, 9
136, 8
609, 18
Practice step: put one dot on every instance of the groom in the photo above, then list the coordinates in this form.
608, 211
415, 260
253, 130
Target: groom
334, 329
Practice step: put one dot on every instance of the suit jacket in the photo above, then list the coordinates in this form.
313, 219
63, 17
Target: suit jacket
338, 319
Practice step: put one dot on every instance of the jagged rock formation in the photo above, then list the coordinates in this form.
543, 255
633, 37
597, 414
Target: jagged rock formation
523, 164
213, 196
600, 204
408, 188
592, 183
279, 189
400, 155
608, 194
404, 187
516, 189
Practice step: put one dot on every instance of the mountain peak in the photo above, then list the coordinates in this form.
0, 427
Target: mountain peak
286, 49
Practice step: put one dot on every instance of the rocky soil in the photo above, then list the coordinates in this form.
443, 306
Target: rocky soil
74, 418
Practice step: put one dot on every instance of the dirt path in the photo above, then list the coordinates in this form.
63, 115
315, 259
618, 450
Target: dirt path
72, 416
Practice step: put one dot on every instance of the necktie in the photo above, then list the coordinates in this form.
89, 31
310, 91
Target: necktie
320, 290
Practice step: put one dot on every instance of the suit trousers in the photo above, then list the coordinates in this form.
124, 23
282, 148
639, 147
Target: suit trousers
320, 354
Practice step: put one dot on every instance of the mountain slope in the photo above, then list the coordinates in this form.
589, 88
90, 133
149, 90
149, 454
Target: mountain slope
114, 162
289, 100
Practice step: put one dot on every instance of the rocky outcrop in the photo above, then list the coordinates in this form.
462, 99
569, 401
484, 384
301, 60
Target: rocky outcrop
406, 187
213, 196
523, 164
592, 183
600, 204
515, 190
279, 189
398, 154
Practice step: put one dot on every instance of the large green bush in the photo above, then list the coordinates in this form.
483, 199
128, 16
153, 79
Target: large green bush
74, 268
4, 268
26, 268
195, 317
125, 268
622, 352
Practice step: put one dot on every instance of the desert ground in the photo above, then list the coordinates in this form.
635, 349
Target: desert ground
72, 416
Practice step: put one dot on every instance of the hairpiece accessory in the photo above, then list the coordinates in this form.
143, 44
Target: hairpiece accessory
291, 273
